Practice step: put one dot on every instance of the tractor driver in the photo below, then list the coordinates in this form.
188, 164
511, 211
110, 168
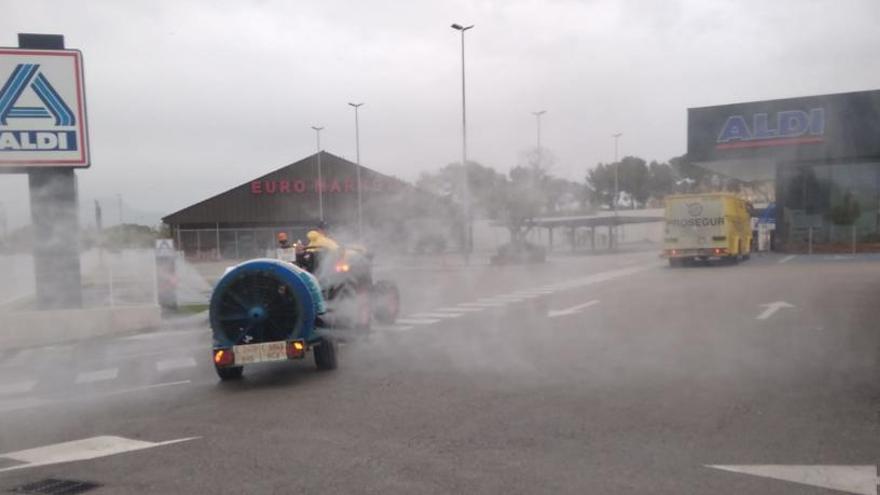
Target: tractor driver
320, 250
319, 239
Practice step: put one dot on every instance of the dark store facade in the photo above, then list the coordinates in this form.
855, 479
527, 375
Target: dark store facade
822, 152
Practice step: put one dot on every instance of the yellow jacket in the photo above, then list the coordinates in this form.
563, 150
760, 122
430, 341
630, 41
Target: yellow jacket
318, 240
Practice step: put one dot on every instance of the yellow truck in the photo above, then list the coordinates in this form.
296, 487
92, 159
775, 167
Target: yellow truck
706, 227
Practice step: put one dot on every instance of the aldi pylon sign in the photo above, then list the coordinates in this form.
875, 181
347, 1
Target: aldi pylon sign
42, 109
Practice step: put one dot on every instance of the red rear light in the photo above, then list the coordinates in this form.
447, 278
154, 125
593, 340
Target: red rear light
342, 267
224, 357
673, 252
296, 349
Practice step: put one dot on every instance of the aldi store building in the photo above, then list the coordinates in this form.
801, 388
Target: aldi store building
822, 153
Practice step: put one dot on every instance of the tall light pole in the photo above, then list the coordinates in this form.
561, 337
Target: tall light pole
320, 185
538, 121
3, 220
357, 146
469, 228
613, 239
616, 166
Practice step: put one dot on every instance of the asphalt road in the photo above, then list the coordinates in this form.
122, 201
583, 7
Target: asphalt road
604, 374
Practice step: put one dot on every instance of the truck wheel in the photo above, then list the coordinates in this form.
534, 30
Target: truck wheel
325, 355
229, 373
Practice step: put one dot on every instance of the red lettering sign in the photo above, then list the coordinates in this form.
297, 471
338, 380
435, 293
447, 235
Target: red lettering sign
346, 184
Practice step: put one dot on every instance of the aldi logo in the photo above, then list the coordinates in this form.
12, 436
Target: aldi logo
42, 109
784, 128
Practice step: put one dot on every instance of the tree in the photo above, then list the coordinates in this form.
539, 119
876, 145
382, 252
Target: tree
600, 181
661, 180
633, 180
847, 211
692, 176
524, 198
483, 186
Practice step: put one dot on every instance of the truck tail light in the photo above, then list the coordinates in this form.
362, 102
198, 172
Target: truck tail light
224, 357
296, 349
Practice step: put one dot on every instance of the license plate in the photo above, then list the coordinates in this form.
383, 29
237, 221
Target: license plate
260, 353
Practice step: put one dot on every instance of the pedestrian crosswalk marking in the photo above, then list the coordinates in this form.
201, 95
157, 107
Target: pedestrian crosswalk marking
437, 315
173, 364
17, 387
417, 321
97, 376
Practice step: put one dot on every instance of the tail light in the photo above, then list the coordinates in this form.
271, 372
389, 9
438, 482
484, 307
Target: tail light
342, 267
720, 250
296, 349
224, 357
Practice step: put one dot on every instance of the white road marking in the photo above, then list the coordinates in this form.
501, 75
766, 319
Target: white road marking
80, 450
32, 402
772, 308
787, 258
147, 387
23, 403
17, 387
97, 376
572, 310
500, 300
19, 358
483, 305
455, 311
436, 315
417, 321
167, 334
400, 328
460, 308
861, 480
174, 364
26, 357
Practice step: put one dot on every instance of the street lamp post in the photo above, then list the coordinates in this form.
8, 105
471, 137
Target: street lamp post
616, 184
357, 145
538, 120
320, 185
616, 166
469, 234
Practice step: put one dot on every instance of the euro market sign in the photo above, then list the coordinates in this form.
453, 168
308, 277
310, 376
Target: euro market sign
42, 109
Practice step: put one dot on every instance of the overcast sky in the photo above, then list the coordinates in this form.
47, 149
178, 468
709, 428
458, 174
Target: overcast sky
189, 98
